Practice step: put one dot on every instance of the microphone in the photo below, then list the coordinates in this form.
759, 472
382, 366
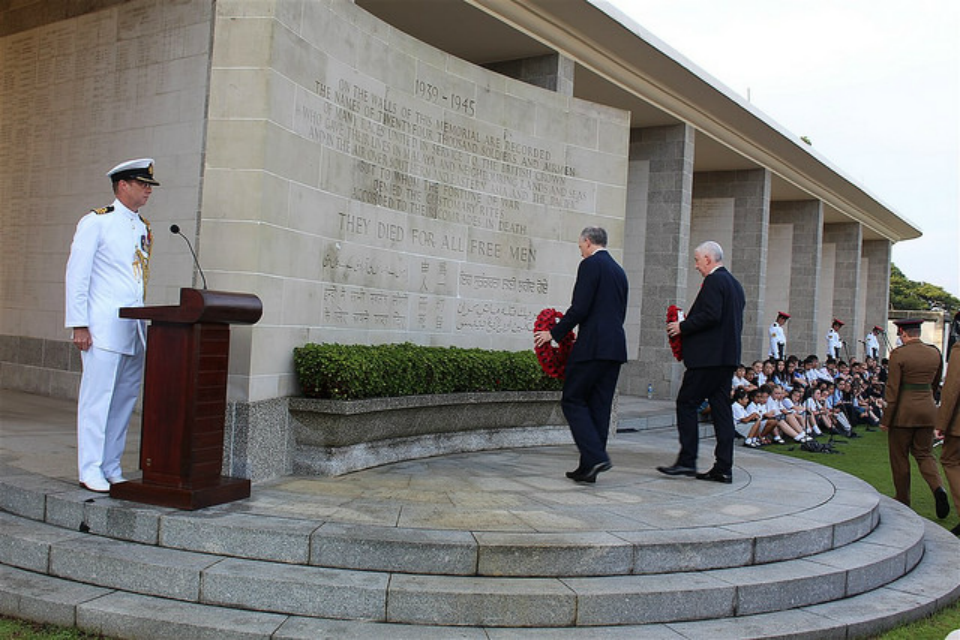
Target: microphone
176, 229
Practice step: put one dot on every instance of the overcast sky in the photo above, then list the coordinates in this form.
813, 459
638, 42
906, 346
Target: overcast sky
874, 84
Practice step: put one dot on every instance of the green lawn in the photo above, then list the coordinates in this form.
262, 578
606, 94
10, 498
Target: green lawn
864, 457
20, 630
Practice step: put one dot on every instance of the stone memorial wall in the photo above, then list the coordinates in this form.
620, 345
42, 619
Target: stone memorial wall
84, 86
426, 199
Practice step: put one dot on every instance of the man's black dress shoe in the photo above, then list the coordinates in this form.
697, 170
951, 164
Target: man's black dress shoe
678, 470
590, 475
716, 476
956, 531
943, 503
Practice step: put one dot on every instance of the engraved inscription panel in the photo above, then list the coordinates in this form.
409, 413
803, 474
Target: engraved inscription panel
448, 184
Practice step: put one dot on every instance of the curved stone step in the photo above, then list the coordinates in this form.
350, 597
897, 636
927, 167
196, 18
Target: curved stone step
644, 545
931, 585
890, 551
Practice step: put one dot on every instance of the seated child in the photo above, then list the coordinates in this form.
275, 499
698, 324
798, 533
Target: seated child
746, 423
785, 423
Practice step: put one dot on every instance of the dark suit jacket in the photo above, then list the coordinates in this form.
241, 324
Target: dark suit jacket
712, 328
599, 307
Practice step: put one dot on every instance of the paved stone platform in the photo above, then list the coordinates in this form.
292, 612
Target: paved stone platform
487, 544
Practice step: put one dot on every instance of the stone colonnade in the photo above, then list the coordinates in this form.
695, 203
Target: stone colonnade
783, 252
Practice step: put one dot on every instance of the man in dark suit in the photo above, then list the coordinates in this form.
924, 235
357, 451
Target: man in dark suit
599, 307
711, 353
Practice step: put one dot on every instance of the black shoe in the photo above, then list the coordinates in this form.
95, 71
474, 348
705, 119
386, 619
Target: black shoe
579, 471
590, 475
678, 470
943, 504
956, 531
716, 476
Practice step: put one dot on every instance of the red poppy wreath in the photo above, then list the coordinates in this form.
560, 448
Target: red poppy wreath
553, 360
673, 315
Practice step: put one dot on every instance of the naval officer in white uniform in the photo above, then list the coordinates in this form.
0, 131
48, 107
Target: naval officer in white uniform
108, 269
778, 339
834, 343
872, 344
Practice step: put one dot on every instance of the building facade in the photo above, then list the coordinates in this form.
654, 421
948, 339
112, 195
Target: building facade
378, 171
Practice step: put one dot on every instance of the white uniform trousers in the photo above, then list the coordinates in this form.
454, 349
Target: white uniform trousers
108, 392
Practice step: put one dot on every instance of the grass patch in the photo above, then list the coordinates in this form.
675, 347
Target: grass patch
13, 629
867, 458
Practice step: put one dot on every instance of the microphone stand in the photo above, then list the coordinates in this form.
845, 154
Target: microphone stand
176, 230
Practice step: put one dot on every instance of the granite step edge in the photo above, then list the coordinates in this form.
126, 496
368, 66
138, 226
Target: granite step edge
480, 601
932, 585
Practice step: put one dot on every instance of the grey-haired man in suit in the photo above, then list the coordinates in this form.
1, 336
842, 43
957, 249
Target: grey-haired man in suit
711, 353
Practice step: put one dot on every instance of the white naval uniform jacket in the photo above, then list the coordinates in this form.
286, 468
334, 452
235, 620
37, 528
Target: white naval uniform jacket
107, 270
872, 345
777, 337
834, 344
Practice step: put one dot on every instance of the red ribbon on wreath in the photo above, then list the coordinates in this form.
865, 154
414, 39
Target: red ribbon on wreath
553, 360
676, 342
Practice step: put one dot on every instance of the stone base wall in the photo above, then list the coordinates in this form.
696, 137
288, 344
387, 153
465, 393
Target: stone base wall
41, 366
334, 437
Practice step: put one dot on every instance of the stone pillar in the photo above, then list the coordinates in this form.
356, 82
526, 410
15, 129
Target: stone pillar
656, 235
805, 218
733, 208
876, 254
847, 239
552, 71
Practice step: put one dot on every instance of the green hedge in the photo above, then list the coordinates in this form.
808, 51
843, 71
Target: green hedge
352, 372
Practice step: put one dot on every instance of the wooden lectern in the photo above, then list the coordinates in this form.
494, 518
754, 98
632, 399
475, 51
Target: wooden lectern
185, 399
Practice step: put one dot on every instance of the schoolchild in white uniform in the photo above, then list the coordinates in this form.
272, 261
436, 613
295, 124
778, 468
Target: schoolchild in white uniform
793, 405
746, 423
778, 340
834, 343
784, 423
740, 380
813, 409
108, 269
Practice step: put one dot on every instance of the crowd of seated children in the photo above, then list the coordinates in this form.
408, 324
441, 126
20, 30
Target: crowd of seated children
800, 399
857, 408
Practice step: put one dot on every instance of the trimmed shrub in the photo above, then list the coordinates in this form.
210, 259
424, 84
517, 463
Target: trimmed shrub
353, 372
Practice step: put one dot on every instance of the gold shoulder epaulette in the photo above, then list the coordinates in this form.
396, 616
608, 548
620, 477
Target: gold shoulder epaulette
103, 210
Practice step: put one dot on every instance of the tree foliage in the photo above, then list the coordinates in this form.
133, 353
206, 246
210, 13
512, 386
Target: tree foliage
909, 295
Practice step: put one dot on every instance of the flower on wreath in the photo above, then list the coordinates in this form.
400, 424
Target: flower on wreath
674, 314
553, 359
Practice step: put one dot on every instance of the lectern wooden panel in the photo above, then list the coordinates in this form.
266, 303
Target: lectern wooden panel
184, 400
